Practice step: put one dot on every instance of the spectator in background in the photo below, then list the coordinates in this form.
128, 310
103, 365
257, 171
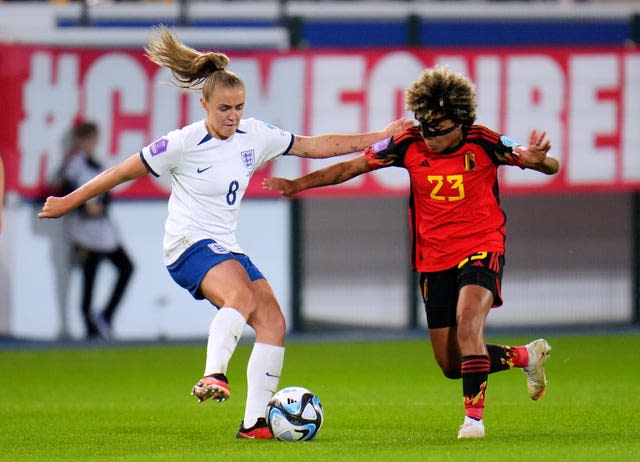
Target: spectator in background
92, 233
458, 228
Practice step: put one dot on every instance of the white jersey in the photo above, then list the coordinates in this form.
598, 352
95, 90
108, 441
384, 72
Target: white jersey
209, 176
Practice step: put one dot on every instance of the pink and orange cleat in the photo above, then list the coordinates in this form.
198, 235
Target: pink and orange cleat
214, 386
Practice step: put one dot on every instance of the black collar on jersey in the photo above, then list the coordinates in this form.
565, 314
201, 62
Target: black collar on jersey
455, 148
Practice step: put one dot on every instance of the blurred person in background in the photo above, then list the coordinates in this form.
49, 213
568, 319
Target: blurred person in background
458, 228
92, 233
210, 163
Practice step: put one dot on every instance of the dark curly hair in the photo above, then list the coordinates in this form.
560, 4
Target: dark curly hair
440, 91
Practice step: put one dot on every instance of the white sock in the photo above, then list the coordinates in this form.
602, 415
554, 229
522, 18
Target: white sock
224, 332
263, 376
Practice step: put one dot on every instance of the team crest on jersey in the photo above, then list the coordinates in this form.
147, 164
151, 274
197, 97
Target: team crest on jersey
469, 161
159, 146
217, 248
248, 158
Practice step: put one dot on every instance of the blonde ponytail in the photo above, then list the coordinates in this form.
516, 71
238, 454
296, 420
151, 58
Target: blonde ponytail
193, 70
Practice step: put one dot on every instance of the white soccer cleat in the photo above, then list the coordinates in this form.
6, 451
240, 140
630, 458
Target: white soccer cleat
471, 429
536, 380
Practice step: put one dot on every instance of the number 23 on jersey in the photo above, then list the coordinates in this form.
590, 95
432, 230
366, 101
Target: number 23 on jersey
448, 188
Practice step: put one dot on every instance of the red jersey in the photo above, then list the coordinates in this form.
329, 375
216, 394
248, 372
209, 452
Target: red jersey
454, 209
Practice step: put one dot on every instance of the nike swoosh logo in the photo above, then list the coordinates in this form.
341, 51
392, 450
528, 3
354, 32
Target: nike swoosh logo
201, 170
272, 375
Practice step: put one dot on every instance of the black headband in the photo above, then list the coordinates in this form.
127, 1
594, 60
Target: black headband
427, 127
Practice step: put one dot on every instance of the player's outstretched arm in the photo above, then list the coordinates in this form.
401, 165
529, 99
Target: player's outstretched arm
334, 174
129, 169
323, 146
535, 155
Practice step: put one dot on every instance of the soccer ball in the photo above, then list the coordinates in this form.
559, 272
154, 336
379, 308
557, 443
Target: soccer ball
294, 414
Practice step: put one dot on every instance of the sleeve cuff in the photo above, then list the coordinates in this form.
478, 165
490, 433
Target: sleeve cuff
147, 166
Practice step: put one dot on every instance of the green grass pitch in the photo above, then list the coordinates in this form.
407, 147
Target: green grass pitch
383, 401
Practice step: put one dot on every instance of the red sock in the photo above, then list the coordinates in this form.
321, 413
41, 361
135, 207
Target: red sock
520, 356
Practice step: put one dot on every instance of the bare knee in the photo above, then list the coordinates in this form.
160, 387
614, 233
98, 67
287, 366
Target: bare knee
473, 307
268, 317
470, 334
269, 323
227, 285
244, 300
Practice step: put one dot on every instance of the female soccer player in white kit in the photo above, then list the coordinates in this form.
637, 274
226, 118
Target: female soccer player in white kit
211, 163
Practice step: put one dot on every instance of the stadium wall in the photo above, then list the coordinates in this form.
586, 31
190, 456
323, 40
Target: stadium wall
570, 244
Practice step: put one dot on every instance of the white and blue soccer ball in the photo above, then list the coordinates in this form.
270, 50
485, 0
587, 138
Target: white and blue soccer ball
294, 414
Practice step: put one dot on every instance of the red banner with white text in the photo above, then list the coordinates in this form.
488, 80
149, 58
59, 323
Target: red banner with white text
587, 99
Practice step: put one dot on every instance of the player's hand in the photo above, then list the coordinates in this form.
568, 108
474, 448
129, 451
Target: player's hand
397, 126
538, 142
285, 187
54, 207
538, 147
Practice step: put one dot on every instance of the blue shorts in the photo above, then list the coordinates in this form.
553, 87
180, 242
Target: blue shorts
190, 269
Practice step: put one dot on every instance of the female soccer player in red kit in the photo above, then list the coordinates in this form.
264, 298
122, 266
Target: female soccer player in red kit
457, 228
